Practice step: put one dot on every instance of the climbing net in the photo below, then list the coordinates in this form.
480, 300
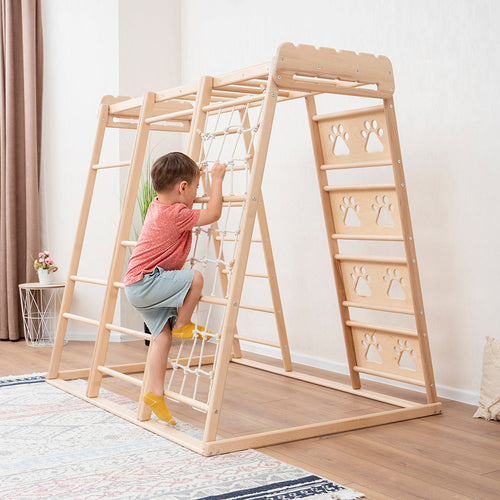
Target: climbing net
228, 137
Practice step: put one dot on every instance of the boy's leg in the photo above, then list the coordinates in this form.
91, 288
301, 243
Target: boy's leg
158, 360
185, 312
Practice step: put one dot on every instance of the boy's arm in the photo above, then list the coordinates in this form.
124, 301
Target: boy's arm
214, 206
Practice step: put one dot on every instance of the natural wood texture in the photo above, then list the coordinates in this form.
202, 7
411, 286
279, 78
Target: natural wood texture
349, 139
449, 456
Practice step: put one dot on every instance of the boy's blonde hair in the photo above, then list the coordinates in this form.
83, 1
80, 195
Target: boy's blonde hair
172, 168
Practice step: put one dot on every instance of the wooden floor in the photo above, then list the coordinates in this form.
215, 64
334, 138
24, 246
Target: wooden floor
446, 456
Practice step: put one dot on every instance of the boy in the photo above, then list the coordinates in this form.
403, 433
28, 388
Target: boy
155, 283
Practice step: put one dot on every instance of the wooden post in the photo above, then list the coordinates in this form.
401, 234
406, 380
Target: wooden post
411, 256
332, 243
249, 214
111, 295
62, 324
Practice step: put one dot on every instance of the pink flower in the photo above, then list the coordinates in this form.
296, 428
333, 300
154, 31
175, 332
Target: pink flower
40, 254
49, 261
46, 252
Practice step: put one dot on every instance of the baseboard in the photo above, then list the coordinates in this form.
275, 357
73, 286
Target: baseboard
459, 395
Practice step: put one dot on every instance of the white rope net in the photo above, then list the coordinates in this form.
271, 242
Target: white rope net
229, 138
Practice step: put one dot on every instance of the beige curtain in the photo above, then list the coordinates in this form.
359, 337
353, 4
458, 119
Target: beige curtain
20, 135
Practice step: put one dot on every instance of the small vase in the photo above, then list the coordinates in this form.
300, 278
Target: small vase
45, 276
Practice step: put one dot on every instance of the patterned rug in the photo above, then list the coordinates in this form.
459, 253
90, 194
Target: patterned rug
54, 445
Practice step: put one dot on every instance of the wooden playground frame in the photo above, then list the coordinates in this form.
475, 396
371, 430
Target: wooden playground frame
296, 72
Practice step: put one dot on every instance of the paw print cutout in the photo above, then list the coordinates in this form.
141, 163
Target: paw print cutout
405, 355
395, 283
339, 138
361, 280
372, 133
372, 348
350, 209
383, 208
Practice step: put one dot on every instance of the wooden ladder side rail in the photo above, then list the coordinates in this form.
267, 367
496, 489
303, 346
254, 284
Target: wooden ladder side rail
332, 243
411, 256
235, 289
270, 265
111, 294
62, 325
194, 149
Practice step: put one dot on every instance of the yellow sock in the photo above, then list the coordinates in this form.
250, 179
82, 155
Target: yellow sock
186, 332
157, 404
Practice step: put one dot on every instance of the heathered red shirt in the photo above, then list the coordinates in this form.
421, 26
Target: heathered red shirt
165, 240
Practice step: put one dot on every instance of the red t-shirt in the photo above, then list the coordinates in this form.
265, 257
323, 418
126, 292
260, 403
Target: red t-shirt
165, 240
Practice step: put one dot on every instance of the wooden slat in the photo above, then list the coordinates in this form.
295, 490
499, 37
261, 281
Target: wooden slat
91, 281
347, 113
367, 237
361, 187
129, 243
81, 319
320, 429
169, 116
258, 341
225, 199
242, 76
111, 165
128, 331
399, 310
358, 164
369, 258
122, 376
392, 376
381, 328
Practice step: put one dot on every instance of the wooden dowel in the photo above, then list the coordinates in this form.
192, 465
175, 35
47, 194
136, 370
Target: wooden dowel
186, 400
225, 199
88, 280
170, 116
380, 328
118, 284
361, 187
232, 238
213, 300
122, 376
251, 275
349, 113
391, 376
398, 310
359, 164
182, 127
257, 341
111, 165
129, 243
219, 133
235, 102
257, 308
374, 237
81, 319
400, 261
128, 331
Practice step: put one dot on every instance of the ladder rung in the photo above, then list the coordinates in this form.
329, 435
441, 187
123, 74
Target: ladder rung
385, 329
359, 164
230, 130
128, 243
92, 281
348, 113
118, 284
186, 400
371, 259
252, 275
82, 319
128, 331
232, 238
224, 302
120, 375
398, 310
170, 116
111, 165
361, 187
225, 199
392, 376
374, 237
257, 341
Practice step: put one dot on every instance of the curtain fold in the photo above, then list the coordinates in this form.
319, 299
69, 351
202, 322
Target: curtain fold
20, 142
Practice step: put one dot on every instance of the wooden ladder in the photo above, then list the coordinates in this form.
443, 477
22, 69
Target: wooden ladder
372, 212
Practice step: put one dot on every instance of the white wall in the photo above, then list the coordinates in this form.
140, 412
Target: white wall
445, 66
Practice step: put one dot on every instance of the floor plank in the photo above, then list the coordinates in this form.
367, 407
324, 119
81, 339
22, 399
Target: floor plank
448, 456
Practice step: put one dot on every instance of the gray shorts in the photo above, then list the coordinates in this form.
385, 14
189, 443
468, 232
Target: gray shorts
158, 295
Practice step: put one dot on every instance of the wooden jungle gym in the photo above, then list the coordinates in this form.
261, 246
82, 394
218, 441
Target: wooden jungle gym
228, 119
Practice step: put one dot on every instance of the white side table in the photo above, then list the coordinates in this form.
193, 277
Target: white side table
40, 307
